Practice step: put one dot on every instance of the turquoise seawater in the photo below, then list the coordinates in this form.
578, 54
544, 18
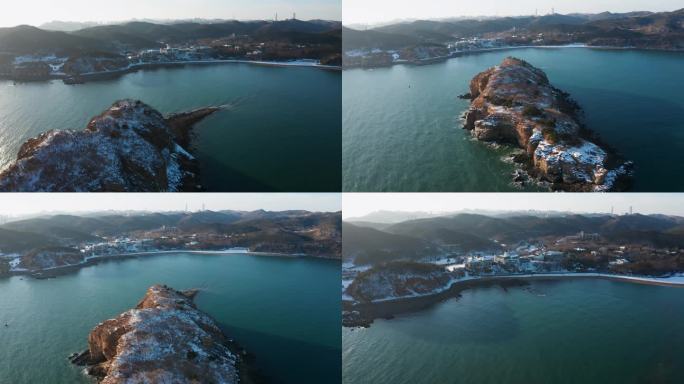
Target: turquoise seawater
281, 132
402, 131
285, 311
564, 332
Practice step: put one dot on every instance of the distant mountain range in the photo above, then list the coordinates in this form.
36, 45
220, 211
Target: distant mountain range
394, 216
301, 229
415, 239
69, 26
384, 217
69, 38
664, 30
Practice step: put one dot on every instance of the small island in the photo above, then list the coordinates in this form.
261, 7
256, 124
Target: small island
514, 103
130, 147
165, 338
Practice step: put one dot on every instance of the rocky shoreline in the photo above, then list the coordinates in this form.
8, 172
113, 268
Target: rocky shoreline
165, 338
116, 73
514, 103
363, 314
55, 272
356, 314
457, 54
130, 147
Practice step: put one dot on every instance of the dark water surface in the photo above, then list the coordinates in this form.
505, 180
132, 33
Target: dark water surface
564, 331
284, 311
281, 132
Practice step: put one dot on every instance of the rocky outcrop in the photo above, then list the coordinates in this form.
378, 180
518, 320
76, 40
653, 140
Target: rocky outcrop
395, 287
515, 103
165, 339
130, 147
50, 257
398, 280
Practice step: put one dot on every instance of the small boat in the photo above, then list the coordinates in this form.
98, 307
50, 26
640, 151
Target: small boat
73, 80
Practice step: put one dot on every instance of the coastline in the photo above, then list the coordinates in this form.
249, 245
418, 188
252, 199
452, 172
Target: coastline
453, 55
365, 313
94, 76
660, 281
132, 68
54, 272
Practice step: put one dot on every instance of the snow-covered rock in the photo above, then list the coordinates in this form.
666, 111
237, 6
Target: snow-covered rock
48, 258
165, 339
398, 280
130, 147
514, 103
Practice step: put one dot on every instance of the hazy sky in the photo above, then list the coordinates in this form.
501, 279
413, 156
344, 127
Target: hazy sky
36, 12
14, 204
374, 11
360, 204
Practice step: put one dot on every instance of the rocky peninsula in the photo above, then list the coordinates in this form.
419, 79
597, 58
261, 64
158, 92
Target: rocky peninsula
130, 147
398, 279
398, 287
514, 103
165, 338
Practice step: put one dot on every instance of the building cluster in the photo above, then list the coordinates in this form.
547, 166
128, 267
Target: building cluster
474, 44
116, 246
163, 239
581, 236
29, 68
582, 252
525, 258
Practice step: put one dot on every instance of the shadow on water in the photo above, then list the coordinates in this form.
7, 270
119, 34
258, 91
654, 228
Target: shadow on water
662, 371
229, 179
463, 321
646, 130
454, 316
324, 361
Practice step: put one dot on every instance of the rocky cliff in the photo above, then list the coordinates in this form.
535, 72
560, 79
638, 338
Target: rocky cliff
165, 339
397, 280
515, 103
50, 257
129, 148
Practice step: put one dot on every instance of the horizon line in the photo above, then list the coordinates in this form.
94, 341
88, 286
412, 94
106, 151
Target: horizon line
76, 213
485, 212
156, 21
472, 17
